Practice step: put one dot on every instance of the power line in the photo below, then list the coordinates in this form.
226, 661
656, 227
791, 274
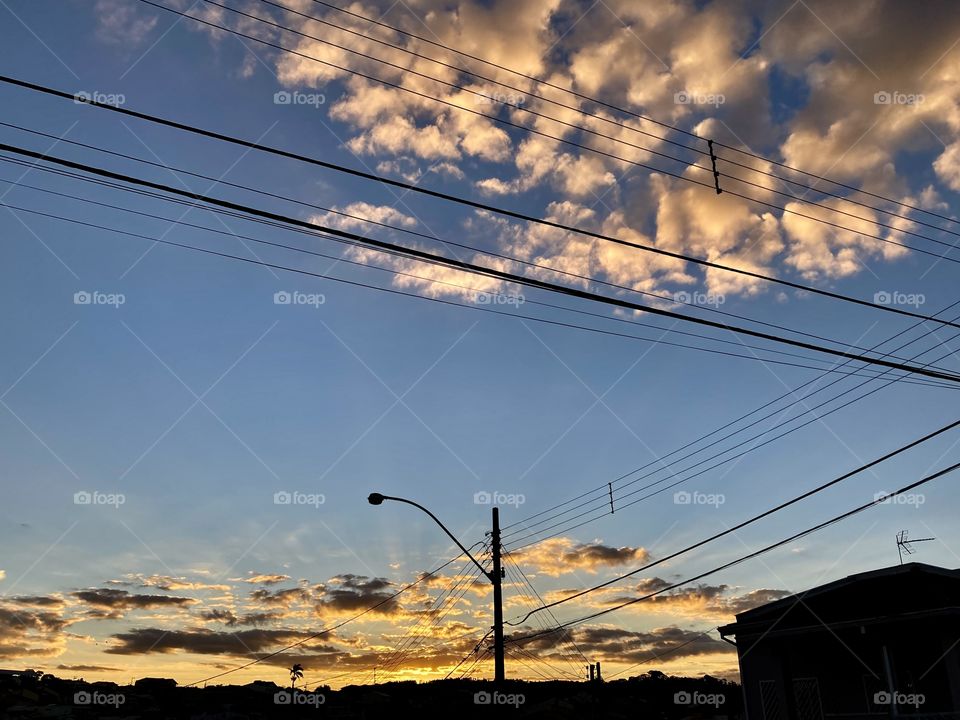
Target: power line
724, 461
563, 140
604, 489
398, 228
240, 236
659, 656
491, 272
328, 630
543, 605
459, 200
630, 113
515, 315
750, 521
749, 556
444, 605
519, 107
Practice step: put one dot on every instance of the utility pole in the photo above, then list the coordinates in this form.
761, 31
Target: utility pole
495, 577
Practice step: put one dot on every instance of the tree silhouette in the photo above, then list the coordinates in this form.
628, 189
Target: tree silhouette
296, 673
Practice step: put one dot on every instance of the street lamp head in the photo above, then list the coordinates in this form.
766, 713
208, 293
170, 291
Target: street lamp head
375, 499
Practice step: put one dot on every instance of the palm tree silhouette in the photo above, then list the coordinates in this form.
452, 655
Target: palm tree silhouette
296, 673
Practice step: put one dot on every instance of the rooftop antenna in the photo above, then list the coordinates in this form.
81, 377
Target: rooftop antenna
904, 546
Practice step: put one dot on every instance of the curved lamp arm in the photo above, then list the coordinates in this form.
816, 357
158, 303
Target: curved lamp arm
377, 499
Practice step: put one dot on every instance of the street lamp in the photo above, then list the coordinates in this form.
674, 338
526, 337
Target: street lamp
494, 576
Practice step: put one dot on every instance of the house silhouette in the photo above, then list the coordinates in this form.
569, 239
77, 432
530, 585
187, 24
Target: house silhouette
884, 643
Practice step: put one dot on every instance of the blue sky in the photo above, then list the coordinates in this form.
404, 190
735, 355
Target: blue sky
372, 391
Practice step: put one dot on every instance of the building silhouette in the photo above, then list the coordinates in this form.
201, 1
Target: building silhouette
884, 643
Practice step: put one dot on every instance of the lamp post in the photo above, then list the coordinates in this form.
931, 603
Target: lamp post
494, 576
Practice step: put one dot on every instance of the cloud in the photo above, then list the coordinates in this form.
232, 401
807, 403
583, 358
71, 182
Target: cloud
559, 556
352, 217
31, 633
119, 23
349, 593
617, 645
284, 597
112, 599
230, 619
143, 641
697, 600
38, 600
266, 578
88, 668
166, 583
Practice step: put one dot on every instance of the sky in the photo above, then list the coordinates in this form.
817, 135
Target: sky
187, 441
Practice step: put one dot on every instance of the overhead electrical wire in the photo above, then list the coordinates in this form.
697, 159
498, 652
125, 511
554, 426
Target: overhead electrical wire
603, 491
631, 113
750, 521
679, 300
457, 199
328, 630
479, 291
515, 315
472, 267
520, 107
562, 139
743, 558
682, 480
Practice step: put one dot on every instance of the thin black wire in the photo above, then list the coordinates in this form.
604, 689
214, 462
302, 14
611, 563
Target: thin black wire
397, 228
733, 457
639, 116
604, 488
520, 107
452, 198
330, 629
749, 521
515, 315
521, 591
415, 637
472, 267
235, 235
749, 556
563, 140
511, 560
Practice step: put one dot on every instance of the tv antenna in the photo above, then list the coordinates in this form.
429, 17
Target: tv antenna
904, 546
